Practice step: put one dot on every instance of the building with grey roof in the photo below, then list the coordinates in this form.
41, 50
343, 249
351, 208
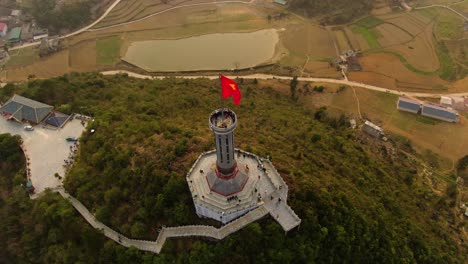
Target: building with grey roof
372, 129
439, 112
408, 105
23, 109
57, 119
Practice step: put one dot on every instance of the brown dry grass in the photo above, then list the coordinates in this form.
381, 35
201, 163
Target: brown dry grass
83, 55
352, 38
446, 139
390, 35
54, 65
420, 52
320, 68
341, 40
386, 70
306, 39
408, 23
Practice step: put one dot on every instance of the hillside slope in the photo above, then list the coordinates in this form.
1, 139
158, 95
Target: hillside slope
357, 202
332, 11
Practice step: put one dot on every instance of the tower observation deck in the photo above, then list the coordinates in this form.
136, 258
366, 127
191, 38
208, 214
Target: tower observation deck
227, 183
227, 179
223, 122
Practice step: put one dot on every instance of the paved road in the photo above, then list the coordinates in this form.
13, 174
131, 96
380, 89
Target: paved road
444, 6
109, 9
303, 79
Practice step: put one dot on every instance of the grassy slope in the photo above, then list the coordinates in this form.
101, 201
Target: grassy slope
354, 202
108, 50
23, 57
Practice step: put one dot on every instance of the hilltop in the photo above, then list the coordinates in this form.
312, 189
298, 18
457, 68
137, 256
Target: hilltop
358, 201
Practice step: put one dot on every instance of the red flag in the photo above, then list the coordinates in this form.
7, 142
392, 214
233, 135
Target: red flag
230, 88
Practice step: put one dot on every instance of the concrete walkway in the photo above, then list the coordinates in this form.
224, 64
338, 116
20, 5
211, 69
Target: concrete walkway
274, 203
282, 213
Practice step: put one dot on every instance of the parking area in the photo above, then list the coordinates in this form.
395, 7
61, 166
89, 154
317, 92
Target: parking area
46, 149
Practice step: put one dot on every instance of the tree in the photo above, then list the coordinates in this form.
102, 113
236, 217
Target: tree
293, 86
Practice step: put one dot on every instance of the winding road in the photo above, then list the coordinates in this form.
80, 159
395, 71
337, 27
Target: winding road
170, 9
260, 76
446, 7
109, 9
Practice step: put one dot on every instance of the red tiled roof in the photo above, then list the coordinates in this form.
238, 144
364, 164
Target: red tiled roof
2, 26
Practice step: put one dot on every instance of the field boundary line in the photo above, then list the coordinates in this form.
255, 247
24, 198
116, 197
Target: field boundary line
446, 7
75, 32
167, 10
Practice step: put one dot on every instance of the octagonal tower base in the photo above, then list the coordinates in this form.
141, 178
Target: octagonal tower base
225, 199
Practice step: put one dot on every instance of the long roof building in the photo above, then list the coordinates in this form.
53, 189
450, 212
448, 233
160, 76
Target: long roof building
439, 112
23, 109
408, 105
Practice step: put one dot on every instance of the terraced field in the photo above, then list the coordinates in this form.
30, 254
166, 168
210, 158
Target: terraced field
131, 10
44, 68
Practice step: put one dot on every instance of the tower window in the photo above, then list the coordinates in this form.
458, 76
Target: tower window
227, 150
220, 147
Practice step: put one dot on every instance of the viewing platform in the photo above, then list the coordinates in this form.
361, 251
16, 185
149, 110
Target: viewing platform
264, 188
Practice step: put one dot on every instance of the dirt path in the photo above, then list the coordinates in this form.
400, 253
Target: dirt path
75, 32
302, 79
170, 9
446, 7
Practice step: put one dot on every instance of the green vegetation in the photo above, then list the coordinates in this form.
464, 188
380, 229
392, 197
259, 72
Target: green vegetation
357, 202
369, 34
369, 22
406, 63
70, 15
427, 120
462, 168
22, 57
429, 13
449, 25
108, 50
334, 12
449, 69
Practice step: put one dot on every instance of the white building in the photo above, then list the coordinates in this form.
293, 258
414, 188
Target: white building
3, 29
372, 129
445, 101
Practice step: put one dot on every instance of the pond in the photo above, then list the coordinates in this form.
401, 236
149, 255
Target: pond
221, 51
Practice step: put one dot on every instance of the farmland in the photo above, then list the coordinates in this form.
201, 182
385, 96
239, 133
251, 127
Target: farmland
422, 47
445, 139
108, 50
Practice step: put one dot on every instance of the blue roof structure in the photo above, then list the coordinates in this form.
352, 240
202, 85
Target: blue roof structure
57, 119
439, 112
408, 105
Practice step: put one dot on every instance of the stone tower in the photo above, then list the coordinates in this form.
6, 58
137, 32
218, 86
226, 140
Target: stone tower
223, 122
228, 183
227, 179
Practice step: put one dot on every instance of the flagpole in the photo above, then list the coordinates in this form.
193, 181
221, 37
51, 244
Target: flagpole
222, 105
